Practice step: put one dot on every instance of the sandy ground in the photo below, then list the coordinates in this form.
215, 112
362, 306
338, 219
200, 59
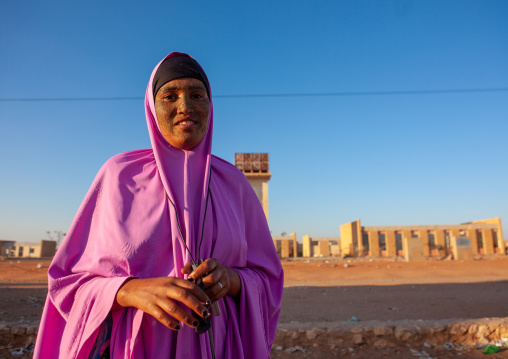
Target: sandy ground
329, 290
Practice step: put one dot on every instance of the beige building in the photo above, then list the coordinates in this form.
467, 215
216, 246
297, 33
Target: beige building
255, 167
486, 238
320, 247
44, 248
286, 246
7, 248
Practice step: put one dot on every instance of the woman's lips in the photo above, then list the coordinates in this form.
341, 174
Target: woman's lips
186, 125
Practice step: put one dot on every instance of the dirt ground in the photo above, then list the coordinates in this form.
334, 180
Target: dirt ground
322, 290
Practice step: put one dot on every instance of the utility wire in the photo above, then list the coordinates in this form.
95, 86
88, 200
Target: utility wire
317, 94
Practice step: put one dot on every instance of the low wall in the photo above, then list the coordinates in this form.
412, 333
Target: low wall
342, 334
389, 334
18, 335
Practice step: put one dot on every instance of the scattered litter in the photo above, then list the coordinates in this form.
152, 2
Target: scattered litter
490, 349
422, 354
279, 347
21, 351
39, 266
294, 349
353, 319
448, 346
345, 265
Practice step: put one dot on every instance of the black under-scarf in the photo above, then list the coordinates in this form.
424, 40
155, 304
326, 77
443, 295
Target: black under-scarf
177, 67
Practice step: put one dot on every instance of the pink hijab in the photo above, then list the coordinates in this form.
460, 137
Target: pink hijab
126, 227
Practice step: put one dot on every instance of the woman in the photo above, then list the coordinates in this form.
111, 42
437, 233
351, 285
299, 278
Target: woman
155, 224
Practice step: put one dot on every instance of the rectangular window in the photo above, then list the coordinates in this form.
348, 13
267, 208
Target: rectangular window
382, 241
365, 241
398, 241
432, 240
479, 239
494, 238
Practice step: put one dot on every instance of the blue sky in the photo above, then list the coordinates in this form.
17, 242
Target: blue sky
385, 159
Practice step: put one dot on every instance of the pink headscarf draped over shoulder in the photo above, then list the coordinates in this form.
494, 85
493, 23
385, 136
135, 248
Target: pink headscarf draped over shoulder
126, 227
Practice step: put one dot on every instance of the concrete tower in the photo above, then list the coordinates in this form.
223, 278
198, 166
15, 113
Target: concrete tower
255, 168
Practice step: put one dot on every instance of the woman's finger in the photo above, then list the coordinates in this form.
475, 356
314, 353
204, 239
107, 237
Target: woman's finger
187, 268
208, 266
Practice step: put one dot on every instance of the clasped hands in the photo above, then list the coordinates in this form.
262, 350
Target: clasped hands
159, 296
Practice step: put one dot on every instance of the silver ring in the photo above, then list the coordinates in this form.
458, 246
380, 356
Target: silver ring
219, 283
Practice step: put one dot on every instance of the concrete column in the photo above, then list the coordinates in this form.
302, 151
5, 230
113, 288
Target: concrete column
307, 248
424, 236
295, 245
439, 237
471, 233
500, 242
284, 251
324, 248
346, 239
373, 244
391, 250
264, 197
488, 241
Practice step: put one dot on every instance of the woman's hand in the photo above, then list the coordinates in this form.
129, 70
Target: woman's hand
159, 296
219, 280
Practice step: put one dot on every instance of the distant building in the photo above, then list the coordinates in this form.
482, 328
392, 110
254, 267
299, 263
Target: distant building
44, 248
255, 167
7, 248
486, 238
320, 247
286, 246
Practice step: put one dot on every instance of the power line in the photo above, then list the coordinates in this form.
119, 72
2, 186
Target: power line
317, 94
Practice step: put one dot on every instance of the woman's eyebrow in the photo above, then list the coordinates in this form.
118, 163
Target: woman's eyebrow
176, 88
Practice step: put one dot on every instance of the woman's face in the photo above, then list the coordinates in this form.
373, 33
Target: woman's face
182, 108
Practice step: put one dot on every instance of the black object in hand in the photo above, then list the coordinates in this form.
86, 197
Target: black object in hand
204, 323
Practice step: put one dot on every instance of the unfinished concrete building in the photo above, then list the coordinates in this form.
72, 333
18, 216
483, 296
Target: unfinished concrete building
486, 237
320, 247
286, 246
44, 248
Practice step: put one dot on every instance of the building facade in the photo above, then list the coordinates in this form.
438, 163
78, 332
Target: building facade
320, 247
44, 248
356, 240
286, 246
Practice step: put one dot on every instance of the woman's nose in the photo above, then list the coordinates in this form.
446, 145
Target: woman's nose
185, 105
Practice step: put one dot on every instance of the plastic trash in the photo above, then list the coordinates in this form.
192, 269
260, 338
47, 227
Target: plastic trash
353, 319
490, 349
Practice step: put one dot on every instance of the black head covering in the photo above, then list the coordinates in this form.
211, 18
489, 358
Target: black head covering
177, 67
